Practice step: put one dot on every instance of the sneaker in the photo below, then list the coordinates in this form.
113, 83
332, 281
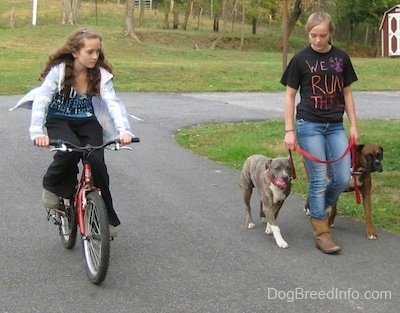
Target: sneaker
50, 200
112, 231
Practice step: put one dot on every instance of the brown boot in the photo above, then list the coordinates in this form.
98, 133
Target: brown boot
322, 236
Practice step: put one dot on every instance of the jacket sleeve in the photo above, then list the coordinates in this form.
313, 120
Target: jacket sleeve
115, 108
42, 101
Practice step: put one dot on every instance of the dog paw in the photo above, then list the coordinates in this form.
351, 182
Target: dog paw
307, 211
251, 225
332, 225
268, 229
282, 244
372, 237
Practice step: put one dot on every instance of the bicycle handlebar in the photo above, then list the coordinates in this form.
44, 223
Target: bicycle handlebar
62, 145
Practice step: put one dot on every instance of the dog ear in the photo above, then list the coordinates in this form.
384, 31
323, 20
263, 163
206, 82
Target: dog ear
268, 163
359, 148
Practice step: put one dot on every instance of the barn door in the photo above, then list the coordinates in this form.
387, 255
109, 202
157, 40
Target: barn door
394, 34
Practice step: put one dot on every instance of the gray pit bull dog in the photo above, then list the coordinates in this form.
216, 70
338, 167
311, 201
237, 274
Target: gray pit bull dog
272, 179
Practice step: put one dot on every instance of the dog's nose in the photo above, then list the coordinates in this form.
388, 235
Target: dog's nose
378, 166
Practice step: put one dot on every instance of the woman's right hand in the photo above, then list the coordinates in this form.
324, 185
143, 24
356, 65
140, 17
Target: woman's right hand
41, 141
290, 140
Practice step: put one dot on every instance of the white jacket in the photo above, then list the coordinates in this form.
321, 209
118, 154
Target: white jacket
109, 110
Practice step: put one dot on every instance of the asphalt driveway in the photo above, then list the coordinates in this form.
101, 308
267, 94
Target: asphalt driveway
183, 245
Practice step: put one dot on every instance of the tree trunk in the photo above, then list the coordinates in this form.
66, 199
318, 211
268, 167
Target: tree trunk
176, 20
166, 14
285, 35
216, 23
254, 26
66, 9
76, 4
234, 13
141, 16
294, 16
224, 18
366, 35
199, 16
129, 14
187, 14
70, 11
243, 24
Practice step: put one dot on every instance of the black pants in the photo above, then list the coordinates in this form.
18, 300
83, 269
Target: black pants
61, 176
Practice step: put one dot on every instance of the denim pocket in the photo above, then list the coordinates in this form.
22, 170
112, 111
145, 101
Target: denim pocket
301, 126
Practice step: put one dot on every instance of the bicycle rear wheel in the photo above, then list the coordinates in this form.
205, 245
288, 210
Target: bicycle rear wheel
96, 241
67, 225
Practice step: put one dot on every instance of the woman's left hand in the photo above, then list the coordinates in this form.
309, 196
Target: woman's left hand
354, 133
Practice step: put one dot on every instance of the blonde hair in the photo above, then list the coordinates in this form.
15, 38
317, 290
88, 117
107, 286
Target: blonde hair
317, 18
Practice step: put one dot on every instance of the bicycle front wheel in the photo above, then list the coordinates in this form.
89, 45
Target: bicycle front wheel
96, 241
67, 225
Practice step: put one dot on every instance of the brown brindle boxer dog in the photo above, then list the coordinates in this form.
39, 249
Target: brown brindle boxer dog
369, 157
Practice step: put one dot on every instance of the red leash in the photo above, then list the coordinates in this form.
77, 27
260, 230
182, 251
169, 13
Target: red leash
350, 148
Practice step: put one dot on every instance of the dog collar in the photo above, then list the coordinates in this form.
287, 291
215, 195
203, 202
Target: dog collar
360, 171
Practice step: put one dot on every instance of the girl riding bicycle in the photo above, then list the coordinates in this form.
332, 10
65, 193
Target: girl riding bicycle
77, 103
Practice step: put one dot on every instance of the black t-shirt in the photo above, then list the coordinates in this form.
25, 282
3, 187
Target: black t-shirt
321, 78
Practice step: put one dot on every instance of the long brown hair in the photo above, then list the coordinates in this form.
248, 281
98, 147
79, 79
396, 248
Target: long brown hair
64, 54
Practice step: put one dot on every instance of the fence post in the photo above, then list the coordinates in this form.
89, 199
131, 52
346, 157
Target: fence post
12, 17
34, 12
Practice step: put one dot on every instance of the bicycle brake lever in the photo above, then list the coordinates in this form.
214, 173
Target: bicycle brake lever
126, 148
119, 147
62, 147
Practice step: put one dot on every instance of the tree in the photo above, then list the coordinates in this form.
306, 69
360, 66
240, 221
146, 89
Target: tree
141, 16
129, 15
355, 15
243, 23
168, 6
70, 11
294, 16
188, 12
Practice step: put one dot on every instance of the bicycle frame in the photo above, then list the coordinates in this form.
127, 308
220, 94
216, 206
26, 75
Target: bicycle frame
84, 185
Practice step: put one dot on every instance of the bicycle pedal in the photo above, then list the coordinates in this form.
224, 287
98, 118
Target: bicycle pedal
55, 220
53, 217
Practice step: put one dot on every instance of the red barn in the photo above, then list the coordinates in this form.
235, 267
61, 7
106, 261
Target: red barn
390, 32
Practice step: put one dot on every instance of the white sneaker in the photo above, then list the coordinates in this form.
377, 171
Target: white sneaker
112, 231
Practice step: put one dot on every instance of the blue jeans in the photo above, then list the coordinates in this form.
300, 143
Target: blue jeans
325, 141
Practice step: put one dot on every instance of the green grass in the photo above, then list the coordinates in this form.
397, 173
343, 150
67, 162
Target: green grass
165, 60
232, 143
169, 60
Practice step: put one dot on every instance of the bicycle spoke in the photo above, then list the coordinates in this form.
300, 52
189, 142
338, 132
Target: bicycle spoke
96, 244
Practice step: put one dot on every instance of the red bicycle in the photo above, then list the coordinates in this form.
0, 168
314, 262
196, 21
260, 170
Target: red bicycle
86, 210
